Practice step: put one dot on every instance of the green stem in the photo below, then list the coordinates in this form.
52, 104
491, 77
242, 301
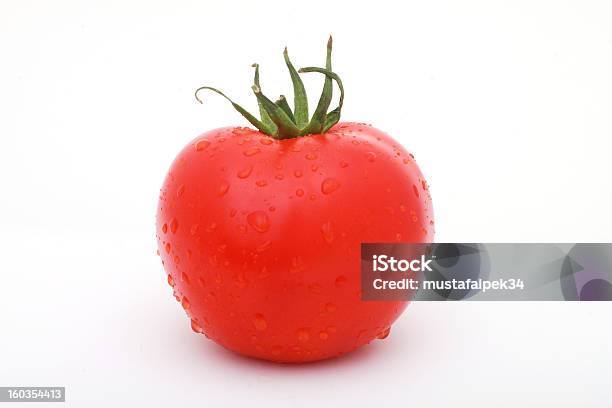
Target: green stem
286, 127
277, 118
252, 119
318, 117
282, 103
300, 100
265, 118
334, 116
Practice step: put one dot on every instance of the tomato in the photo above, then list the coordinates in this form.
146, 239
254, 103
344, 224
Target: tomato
260, 236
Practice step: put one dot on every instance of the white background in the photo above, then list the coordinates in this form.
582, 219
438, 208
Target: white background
506, 106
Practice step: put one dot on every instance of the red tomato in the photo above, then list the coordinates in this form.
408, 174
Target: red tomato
261, 237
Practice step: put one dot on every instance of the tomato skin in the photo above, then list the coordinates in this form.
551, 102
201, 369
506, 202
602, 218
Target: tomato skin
261, 237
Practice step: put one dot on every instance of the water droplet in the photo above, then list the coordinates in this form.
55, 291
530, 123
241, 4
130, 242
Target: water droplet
340, 281
323, 335
245, 172
329, 185
202, 145
343, 164
251, 151
314, 288
168, 247
327, 232
330, 307
165, 228
265, 246
223, 187
415, 218
259, 221
311, 156
173, 225
261, 183
299, 192
296, 265
196, 327
302, 335
259, 321
424, 184
185, 278
177, 260
314, 167
264, 273
170, 281
384, 334
297, 173
416, 190
185, 303
371, 156
406, 161
180, 190
194, 229
265, 141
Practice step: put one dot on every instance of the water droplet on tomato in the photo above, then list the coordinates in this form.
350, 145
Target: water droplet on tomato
330, 307
251, 151
259, 321
173, 225
415, 190
185, 278
299, 192
202, 145
297, 173
168, 247
326, 231
170, 281
180, 190
223, 187
165, 228
196, 327
329, 185
343, 164
259, 221
245, 172
323, 335
261, 183
185, 303
265, 141
302, 335
194, 229
384, 334
371, 156
340, 281
311, 156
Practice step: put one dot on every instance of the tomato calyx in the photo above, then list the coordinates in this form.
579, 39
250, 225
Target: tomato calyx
277, 118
